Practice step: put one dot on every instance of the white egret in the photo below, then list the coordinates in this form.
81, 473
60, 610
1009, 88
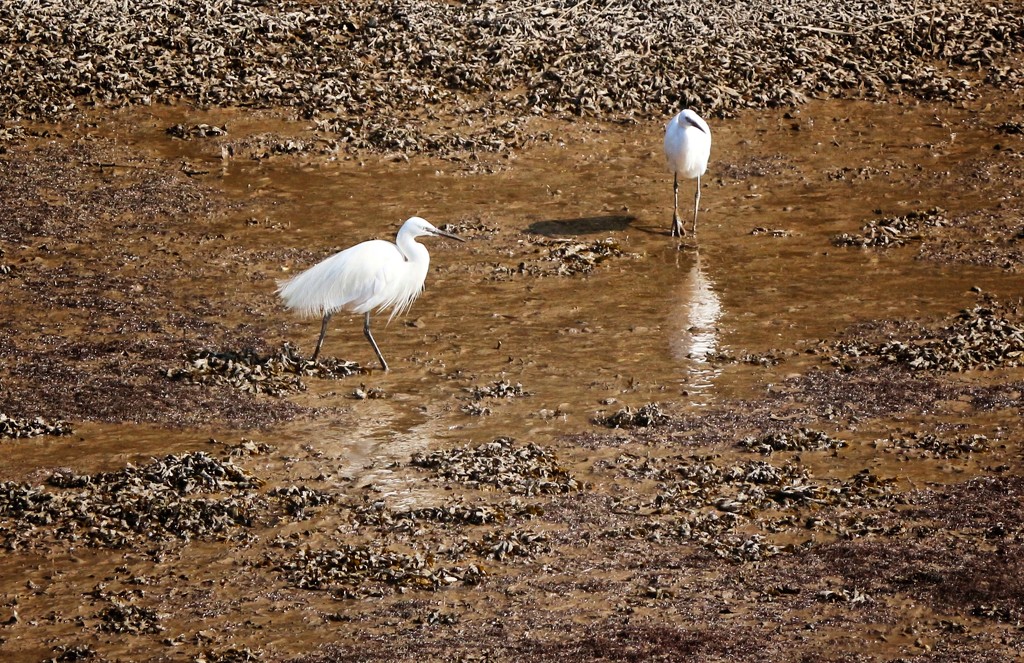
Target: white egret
687, 149
371, 275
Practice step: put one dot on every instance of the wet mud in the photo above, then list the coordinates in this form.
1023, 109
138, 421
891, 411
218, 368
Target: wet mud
796, 436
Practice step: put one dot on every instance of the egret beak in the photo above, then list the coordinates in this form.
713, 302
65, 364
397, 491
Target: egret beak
695, 125
448, 235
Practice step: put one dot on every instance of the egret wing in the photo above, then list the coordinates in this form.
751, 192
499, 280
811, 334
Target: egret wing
353, 279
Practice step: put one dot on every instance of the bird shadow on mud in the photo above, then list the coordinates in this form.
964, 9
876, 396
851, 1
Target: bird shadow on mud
586, 225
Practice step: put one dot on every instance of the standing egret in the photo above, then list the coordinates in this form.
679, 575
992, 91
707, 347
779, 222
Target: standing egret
687, 149
371, 275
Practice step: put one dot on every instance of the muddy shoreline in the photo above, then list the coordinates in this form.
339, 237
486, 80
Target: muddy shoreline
795, 438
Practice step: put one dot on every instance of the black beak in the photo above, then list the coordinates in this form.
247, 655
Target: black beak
442, 233
694, 124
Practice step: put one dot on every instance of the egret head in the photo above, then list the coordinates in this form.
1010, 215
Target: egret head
417, 227
689, 118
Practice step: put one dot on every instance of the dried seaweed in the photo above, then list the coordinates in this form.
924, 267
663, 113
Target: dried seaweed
501, 465
895, 230
276, 374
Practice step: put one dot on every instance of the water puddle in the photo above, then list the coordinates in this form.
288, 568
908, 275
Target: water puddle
569, 302
650, 325
696, 328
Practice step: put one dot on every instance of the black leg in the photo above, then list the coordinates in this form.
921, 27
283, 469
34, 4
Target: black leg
369, 337
677, 226
696, 204
323, 332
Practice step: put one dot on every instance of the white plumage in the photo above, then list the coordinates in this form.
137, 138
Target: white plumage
687, 150
371, 276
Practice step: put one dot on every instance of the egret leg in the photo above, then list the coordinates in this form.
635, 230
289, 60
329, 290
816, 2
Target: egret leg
369, 337
696, 204
677, 226
323, 332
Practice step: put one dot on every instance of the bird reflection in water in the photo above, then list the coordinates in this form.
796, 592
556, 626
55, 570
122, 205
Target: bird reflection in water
695, 324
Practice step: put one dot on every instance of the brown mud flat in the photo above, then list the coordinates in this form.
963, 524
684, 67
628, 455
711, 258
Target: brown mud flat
801, 441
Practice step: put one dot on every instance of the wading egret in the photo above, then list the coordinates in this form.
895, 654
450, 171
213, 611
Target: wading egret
687, 149
371, 275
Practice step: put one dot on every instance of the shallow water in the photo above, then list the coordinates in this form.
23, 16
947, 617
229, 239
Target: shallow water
639, 328
645, 327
